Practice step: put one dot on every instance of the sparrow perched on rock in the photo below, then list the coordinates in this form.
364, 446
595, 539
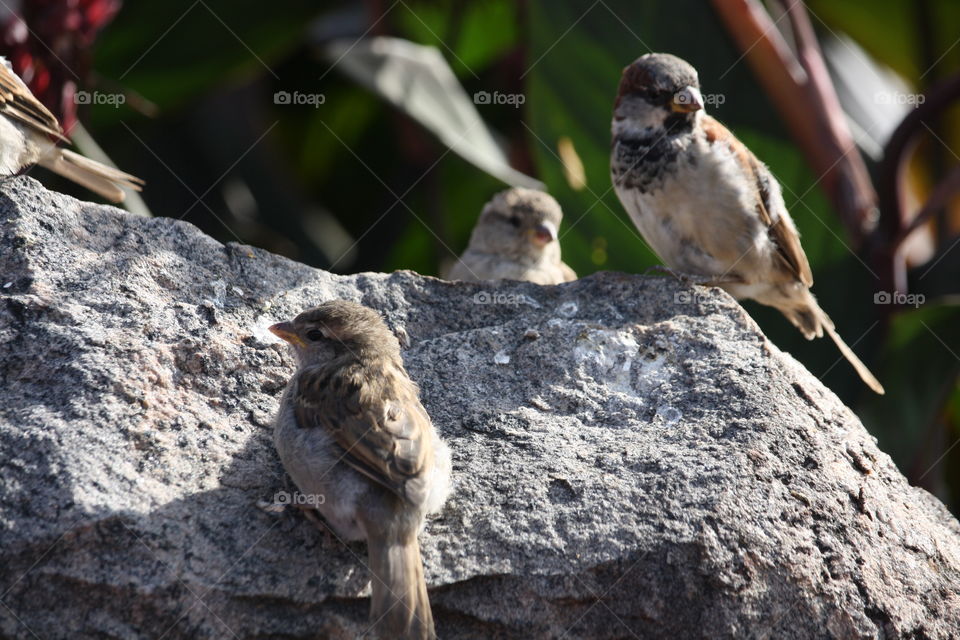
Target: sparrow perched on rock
351, 430
705, 204
29, 134
515, 239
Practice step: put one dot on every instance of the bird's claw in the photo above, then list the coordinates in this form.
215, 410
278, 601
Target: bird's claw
693, 279
329, 541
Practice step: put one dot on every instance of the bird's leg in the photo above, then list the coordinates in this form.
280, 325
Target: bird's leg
311, 514
716, 281
685, 278
697, 279
271, 507
329, 541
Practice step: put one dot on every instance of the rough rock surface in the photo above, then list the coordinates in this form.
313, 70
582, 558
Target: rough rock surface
630, 461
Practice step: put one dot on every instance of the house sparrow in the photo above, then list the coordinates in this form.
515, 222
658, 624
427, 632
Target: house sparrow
29, 134
515, 239
703, 201
351, 430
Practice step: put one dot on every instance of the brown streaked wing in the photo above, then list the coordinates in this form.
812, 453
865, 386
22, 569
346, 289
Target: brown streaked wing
382, 434
17, 102
785, 238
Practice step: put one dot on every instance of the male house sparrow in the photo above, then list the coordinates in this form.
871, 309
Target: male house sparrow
351, 429
515, 239
703, 201
29, 133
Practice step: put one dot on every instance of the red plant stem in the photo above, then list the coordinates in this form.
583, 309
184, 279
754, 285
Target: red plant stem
896, 219
938, 199
895, 223
803, 94
854, 186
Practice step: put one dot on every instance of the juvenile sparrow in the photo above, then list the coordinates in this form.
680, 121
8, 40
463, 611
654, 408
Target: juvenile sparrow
351, 430
29, 134
705, 204
515, 239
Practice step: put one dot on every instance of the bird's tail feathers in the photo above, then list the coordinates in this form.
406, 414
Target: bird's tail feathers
400, 607
865, 374
813, 322
99, 178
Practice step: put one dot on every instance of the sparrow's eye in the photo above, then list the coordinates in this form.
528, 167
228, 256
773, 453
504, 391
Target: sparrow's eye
315, 335
515, 221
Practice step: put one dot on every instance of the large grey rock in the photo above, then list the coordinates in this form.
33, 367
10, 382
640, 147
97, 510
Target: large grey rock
632, 459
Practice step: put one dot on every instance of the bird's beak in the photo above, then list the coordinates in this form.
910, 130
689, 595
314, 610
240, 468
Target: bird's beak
686, 100
543, 234
285, 331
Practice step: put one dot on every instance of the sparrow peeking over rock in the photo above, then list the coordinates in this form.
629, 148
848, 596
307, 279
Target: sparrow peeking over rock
29, 134
351, 430
705, 204
515, 239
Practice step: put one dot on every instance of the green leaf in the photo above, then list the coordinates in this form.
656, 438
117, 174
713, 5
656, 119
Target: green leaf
170, 52
417, 80
920, 365
471, 35
893, 31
